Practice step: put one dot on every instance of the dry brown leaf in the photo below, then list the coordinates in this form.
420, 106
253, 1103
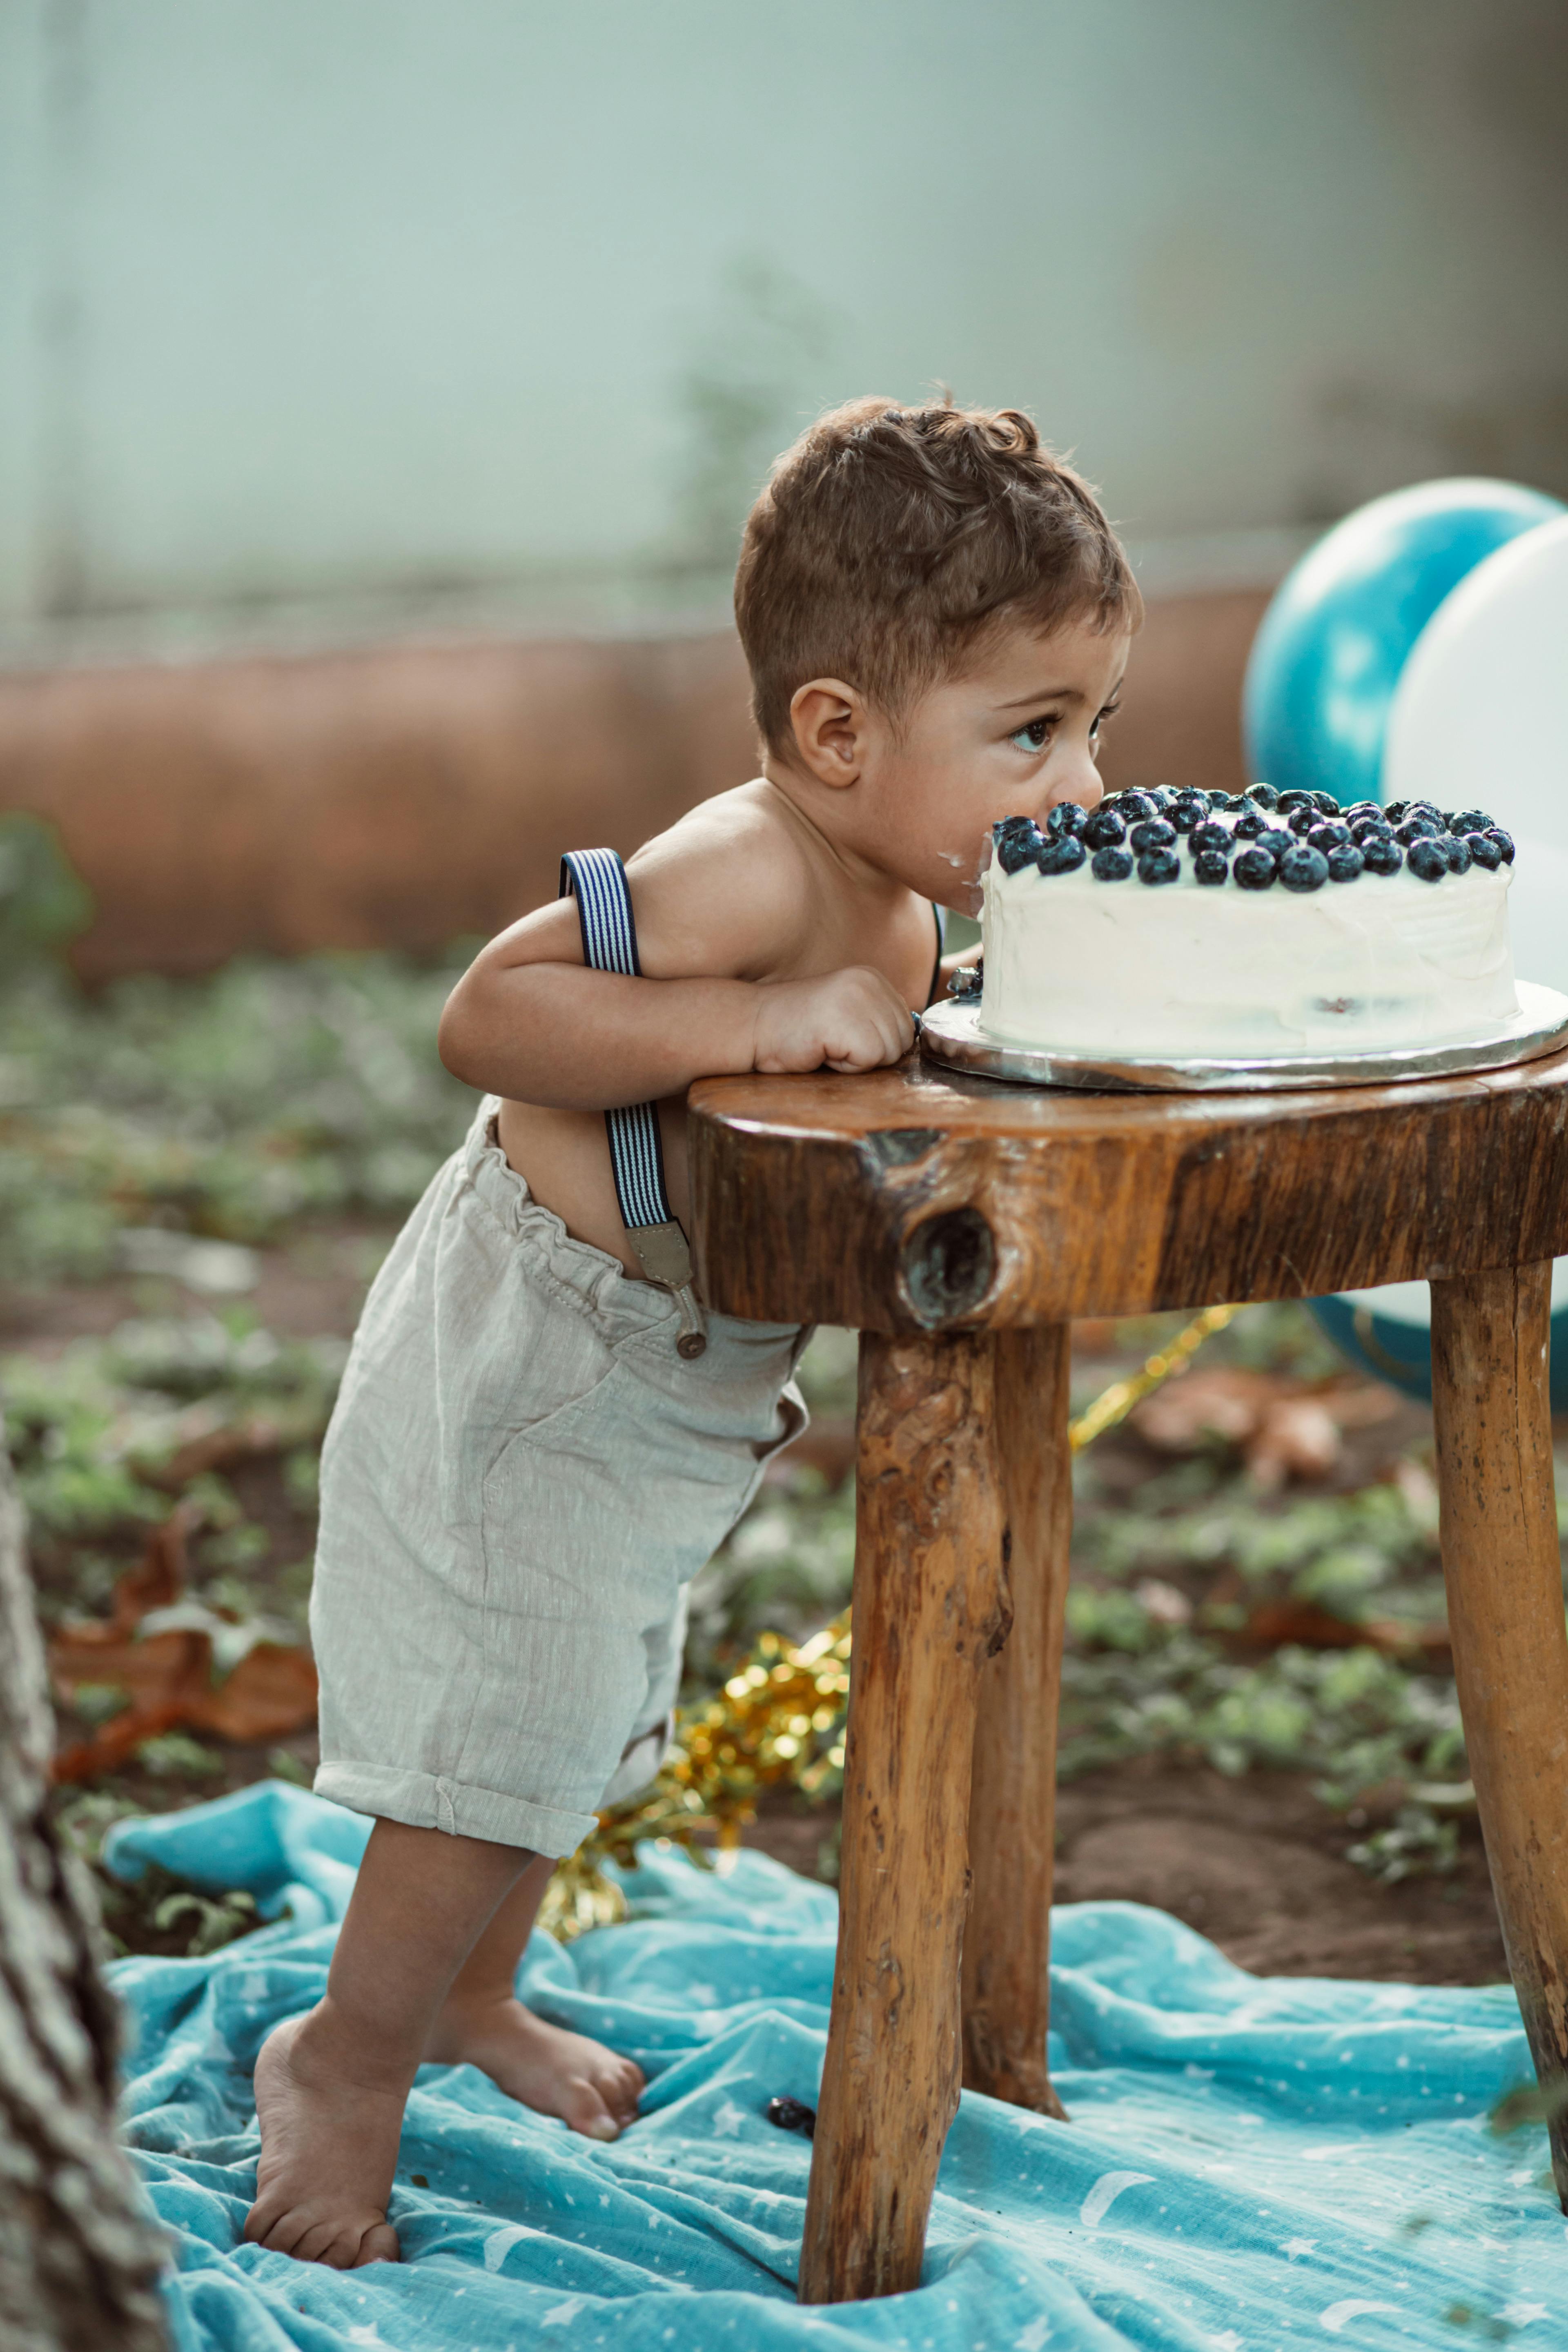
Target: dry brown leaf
1297, 1437
214, 1449
168, 1676
1195, 1406
271, 1692
1286, 1428
1275, 1623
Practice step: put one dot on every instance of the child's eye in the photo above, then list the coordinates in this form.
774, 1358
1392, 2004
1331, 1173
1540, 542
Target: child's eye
1110, 711
1034, 736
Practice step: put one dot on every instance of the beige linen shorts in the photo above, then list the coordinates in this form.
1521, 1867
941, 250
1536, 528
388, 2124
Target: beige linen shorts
520, 1479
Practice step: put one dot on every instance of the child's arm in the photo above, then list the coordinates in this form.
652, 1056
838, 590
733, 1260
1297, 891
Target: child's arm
530, 1022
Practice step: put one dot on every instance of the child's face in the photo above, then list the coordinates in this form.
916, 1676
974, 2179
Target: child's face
1011, 737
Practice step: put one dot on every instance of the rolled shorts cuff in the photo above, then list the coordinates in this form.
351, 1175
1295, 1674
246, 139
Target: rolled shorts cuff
426, 1800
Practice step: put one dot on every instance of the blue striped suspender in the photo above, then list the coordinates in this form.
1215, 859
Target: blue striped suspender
597, 880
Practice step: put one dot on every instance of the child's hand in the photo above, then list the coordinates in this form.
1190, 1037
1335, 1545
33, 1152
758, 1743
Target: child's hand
852, 1020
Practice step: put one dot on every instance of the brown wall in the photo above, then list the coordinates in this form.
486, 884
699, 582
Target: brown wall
402, 795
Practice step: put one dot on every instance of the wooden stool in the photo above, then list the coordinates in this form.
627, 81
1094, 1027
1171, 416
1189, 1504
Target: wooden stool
960, 1224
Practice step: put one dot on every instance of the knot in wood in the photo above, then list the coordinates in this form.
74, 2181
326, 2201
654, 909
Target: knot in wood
900, 1146
947, 1264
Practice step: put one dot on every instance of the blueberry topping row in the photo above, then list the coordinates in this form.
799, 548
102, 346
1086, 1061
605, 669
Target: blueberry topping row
1256, 838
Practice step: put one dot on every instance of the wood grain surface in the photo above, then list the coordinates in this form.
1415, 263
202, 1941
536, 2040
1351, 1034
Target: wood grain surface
1013, 1794
1504, 1578
928, 1613
917, 1200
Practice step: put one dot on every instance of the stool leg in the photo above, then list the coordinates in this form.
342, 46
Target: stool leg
927, 1612
1013, 1797
1505, 1612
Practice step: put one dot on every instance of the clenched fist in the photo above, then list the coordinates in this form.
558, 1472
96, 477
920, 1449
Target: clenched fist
852, 1020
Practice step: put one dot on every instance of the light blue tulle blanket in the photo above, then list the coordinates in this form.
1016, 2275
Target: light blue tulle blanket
1251, 2163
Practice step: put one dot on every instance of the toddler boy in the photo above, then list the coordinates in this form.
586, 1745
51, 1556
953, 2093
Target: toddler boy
536, 1447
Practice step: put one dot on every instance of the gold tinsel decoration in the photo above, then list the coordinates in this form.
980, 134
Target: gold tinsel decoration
779, 1721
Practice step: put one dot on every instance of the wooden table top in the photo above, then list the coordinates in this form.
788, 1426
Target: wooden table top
921, 1199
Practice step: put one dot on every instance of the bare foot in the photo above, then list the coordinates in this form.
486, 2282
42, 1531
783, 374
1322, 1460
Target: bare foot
329, 2150
540, 2065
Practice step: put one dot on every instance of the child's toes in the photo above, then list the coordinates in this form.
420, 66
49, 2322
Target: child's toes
342, 2243
624, 2090
334, 2243
587, 2111
279, 2233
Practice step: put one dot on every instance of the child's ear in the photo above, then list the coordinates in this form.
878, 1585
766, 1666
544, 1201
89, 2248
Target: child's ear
830, 724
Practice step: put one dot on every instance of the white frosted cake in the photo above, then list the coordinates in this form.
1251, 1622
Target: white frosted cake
1246, 927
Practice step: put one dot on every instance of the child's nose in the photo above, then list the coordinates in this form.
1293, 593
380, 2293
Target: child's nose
1082, 783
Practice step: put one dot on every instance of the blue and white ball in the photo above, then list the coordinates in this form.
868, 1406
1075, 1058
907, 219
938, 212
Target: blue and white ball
1420, 651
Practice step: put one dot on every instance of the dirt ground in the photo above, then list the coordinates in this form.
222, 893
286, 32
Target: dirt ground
1256, 1864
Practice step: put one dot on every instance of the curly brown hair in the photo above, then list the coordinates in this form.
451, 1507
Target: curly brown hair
891, 544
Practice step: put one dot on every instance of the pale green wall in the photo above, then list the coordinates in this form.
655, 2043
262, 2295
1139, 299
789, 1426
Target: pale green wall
317, 297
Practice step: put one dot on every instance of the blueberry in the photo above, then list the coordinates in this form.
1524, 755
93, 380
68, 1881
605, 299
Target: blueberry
1467, 821
1293, 800
1325, 804
1254, 869
1264, 795
1104, 829
1249, 824
1154, 832
1233, 802
1066, 817
1187, 812
1454, 849
1359, 809
1428, 808
1301, 821
1159, 866
1210, 837
1303, 869
1417, 828
1370, 828
1426, 859
1061, 855
1209, 866
1218, 799
1504, 841
1344, 862
1136, 806
1381, 855
1396, 810
1484, 851
1274, 841
966, 982
1162, 797
1111, 864
1016, 850
792, 2115
1012, 824
1327, 837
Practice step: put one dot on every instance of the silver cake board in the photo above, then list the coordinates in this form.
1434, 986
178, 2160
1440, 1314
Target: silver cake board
950, 1033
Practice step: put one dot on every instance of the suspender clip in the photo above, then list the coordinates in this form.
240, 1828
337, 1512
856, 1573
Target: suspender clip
665, 1256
